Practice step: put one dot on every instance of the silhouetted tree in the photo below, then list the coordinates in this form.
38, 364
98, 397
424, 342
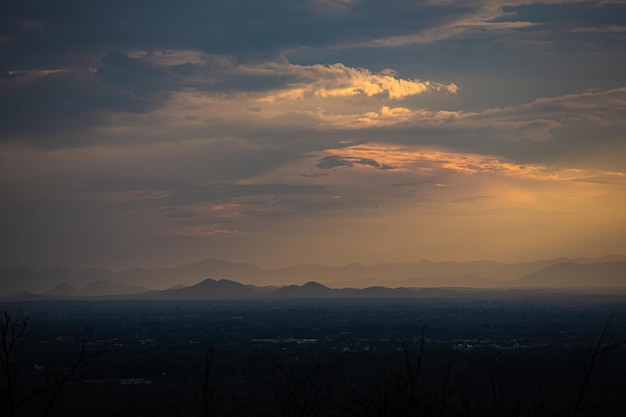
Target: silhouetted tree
11, 332
13, 399
597, 351
207, 384
57, 378
301, 389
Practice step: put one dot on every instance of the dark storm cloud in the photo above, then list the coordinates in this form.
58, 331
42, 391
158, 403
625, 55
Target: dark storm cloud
143, 78
581, 14
49, 105
246, 28
133, 75
96, 45
312, 175
334, 161
90, 43
61, 101
86, 36
411, 184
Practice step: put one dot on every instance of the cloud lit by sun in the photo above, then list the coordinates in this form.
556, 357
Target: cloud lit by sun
448, 132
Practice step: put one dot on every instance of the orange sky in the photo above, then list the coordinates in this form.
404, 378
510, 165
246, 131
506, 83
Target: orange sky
354, 134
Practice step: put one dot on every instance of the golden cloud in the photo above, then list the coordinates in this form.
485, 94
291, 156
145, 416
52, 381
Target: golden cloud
338, 80
409, 158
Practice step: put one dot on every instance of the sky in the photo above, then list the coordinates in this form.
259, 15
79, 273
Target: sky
158, 133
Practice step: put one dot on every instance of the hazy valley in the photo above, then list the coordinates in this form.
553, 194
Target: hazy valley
219, 279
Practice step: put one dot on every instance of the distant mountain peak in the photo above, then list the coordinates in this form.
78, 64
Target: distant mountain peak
204, 282
317, 278
314, 284
104, 288
573, 275
63, 289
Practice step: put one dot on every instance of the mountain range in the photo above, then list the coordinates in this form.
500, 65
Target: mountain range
239, 280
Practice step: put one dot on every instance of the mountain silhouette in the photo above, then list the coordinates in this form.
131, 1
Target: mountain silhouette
104, 287
309, 290
573, 275
561, 272
208, 289
63, 289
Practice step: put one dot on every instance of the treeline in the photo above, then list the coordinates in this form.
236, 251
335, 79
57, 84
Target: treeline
414, 380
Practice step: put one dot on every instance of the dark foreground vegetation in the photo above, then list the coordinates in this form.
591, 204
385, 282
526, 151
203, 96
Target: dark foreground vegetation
473, 356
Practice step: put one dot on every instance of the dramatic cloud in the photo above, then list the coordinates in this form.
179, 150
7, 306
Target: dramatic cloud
158, 133
329, 162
